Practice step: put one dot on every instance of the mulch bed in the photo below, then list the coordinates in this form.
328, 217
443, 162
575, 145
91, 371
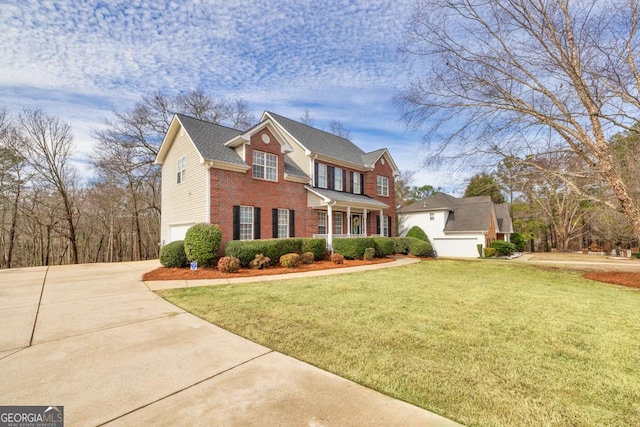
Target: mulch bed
164, 273
631, 280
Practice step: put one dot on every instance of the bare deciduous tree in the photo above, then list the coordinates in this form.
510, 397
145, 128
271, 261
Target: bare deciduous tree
527, 78
48, 147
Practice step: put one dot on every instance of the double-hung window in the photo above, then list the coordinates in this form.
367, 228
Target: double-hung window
322, 176
385, 226
265, 166
337, 182
246, 222
322, 222
181, 170
383, 186
283, 223
357, 189
337, 223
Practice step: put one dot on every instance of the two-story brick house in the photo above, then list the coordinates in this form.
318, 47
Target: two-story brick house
280, 178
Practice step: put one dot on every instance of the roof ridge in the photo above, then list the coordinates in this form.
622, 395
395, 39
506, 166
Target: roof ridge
310, 127
207, 121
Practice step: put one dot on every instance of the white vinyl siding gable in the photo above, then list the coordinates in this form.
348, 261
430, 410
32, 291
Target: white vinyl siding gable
184, 203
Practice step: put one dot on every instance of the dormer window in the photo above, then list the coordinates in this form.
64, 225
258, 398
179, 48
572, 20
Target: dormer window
265, 166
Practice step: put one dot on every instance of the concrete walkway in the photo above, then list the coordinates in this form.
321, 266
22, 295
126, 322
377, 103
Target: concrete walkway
94, 339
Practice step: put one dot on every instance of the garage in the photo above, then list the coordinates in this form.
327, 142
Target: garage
456, 247
177, 232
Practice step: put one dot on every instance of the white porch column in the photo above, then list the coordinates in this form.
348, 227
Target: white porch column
381, 222
348, 220
330, 227
364, 221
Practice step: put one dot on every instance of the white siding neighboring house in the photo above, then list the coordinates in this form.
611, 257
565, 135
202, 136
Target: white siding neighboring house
456, 226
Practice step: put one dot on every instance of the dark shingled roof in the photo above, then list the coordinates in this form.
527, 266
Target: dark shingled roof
290, 168
210, 138
369, 159
321, 142
465, 214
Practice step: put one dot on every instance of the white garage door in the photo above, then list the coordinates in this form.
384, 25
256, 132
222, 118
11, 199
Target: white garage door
465, 248
177, 232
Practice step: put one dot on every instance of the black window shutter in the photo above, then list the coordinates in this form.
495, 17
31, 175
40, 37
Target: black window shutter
274, 223
315, 173
361, 183
351, 182
256, 223
292, 223
331, 178
389, 223
344, 180
236, 223
377, 224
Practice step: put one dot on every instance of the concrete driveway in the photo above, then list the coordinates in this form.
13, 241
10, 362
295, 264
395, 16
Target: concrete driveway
94, 339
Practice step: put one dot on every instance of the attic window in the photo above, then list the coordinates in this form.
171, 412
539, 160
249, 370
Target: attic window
265, 166
383, 186
432, 216
181, 170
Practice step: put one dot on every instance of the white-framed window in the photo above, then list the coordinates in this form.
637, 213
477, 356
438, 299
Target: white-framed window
283, 223
432, 216
322, 176
322, 222
246, 222
356, 183
337, 223
265, 166
337, 182
181, 169
383, 186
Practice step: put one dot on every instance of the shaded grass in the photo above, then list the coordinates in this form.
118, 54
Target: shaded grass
483, 343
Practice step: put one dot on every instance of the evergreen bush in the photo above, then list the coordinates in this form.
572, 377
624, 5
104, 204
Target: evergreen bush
384, 246
172, 255
369, 254
318, 247
503, 248
352, 248
201, 244
420, 248
417, 233
401, 245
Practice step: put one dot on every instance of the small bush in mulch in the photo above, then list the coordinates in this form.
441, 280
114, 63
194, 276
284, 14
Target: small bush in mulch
369, 254
631, 280
338, 259
228, 264
307, 257
291, 260
259, 262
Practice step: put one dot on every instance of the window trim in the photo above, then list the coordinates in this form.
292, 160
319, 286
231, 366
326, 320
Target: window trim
181, 170
338, 178
322, 175
357, 182
261, 164
283, 221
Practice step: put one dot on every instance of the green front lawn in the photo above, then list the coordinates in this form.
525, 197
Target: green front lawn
483, 343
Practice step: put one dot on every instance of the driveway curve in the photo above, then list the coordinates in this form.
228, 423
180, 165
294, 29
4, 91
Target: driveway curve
95, 339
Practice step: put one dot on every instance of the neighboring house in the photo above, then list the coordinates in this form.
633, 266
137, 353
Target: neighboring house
280, 178
456, 226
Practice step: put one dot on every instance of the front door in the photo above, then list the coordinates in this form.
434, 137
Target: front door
356, 224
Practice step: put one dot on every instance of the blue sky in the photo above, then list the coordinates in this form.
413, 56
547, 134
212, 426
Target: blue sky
83, 59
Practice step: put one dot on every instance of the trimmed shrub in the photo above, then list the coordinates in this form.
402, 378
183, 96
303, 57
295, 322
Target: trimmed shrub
259, 262
246, 250
307, 258
228, 264
519, 241
401, 245
290, 260
420, 248
337, 258
417, 233
318, 247
201, 244
384, 246
352, 248
503, 248
172, 254
635, 255
369, 254
489, 252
